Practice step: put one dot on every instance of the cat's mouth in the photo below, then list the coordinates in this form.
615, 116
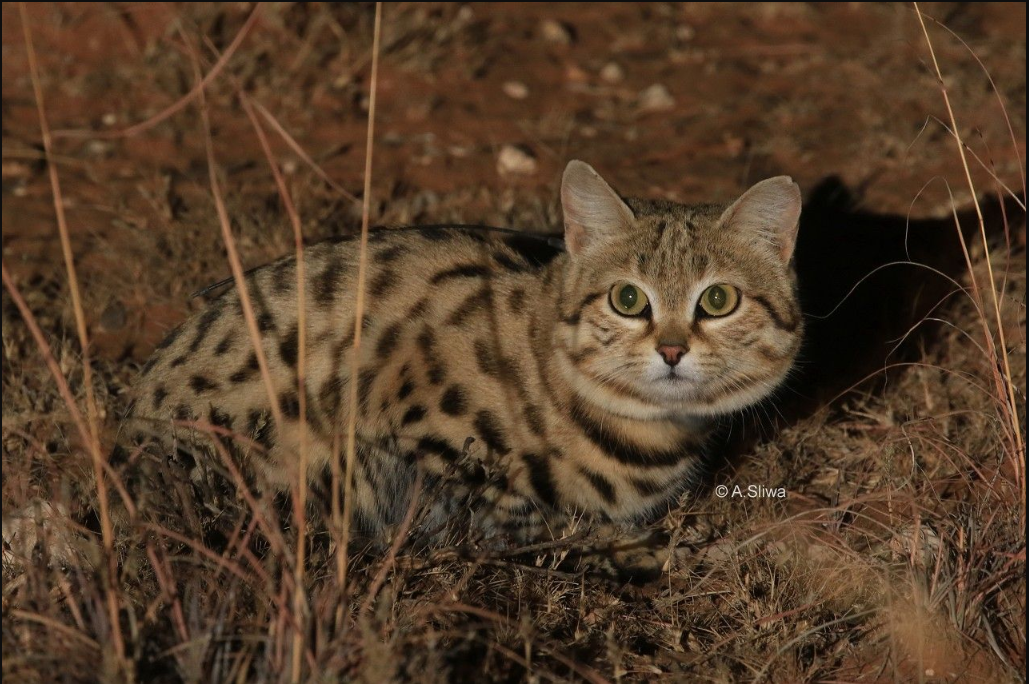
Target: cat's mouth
682, 373
709, 395
676, 385
681, 385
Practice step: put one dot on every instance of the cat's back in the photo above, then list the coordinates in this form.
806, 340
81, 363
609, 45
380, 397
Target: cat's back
431, 287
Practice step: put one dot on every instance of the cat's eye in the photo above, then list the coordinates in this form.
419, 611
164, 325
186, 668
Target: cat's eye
628, 299
719, 300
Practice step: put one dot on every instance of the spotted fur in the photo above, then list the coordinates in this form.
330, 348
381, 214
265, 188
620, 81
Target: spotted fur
496, 362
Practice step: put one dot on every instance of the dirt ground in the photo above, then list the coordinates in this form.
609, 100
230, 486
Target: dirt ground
899, 552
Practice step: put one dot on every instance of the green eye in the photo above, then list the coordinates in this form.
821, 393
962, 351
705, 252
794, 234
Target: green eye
627, 299
719, 300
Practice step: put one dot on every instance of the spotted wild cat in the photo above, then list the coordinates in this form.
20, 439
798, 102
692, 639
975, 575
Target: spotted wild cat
528, 382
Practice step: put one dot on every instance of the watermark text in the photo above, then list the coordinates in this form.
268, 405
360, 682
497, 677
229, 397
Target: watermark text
754, 491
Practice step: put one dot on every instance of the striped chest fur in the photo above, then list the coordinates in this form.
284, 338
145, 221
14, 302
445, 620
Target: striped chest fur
526, 381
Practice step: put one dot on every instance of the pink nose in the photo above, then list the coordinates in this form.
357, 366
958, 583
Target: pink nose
671, 353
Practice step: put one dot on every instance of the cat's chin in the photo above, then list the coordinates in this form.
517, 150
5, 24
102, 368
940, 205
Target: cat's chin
680, 395
677, 395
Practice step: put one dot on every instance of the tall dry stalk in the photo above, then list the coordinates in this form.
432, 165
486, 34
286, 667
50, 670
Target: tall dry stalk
341, 553
300, 504
235, 264
1006, 387
300, 492
239, 278
93, 442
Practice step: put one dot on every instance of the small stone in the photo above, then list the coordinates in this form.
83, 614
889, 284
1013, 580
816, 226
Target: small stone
612, 73
15, 169
114, 316
516, 160
734, 145
656, 98
576, 75
99, 148
685, 33
516, 90
418, 111
556, 32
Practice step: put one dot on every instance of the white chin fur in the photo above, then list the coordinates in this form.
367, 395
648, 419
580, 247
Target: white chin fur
683, 392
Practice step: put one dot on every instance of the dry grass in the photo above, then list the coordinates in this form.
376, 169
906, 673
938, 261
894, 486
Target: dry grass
1004, 382
898, 555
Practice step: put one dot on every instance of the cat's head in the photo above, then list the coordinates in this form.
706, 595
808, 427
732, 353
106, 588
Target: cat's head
675, 309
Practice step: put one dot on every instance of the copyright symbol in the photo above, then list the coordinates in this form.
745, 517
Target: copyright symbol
721, 491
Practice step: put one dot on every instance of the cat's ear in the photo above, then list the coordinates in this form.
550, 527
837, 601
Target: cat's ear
769, 211
592, 210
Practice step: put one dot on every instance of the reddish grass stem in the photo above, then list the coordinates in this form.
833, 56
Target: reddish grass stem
1008, 396
359, 308
235, 264
47, 353
300, 152
107, 529
300, 495
182, 102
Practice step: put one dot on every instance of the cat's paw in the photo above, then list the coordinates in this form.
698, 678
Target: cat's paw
627, 559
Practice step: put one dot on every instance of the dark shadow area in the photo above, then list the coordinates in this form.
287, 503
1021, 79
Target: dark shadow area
866, 280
